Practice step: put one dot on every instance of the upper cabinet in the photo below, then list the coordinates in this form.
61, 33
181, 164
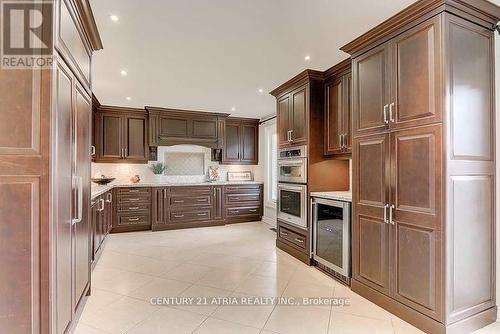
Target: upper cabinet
173, 127
397, 84
241, 141
75, 42
295, 99
121, 135
338, 109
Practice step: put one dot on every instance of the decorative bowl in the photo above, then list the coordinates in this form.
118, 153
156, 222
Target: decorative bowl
103, 180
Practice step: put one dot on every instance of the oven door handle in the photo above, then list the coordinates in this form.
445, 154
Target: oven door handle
298, 163
290, 187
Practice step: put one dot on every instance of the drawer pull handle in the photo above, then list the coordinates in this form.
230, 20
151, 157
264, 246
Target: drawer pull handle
134, 199
202, 214
284, 234
202, 200
178, 201
133, 191
133, 219
178, 216
253, 210
133, 208
299, 240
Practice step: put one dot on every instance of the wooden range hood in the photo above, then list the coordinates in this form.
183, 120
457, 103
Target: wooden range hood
169, 127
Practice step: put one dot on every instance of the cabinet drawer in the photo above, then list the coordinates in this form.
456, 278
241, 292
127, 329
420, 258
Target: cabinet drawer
139, 219
238, 198
297, 239
194, 200
243, 211
134, 207
191, 191
131, 199
134, 191
190, 215
243, 188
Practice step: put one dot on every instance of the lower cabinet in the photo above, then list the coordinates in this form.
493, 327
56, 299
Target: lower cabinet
197, 206
132, 209
101, 209
243, 203
294, 241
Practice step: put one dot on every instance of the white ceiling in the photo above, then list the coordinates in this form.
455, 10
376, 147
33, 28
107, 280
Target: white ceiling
212, 55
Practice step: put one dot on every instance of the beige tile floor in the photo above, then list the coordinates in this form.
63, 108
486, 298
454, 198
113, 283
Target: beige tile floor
235, 260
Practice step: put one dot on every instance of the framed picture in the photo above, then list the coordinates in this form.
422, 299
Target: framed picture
240, 176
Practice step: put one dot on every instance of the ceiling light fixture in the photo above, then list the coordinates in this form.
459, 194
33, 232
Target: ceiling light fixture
261, 90
233, 109
114, 18
307, 58
123, 72
128, 98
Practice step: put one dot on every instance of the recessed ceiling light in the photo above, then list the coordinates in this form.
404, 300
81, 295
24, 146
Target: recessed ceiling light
123, 72
261, 90
233, 109
128, 98
306, 58
114, 18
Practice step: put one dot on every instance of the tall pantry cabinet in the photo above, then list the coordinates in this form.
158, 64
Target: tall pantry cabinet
45, 140
424, 165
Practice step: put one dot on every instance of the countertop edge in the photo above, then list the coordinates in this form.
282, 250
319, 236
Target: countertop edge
335, 195
104, 188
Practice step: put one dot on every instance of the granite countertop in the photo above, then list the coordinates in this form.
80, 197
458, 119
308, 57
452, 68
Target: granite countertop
337, 195
97, 190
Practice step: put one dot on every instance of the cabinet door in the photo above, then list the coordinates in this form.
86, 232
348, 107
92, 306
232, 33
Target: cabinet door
82, 125
370, 251
231, 152
249, 143
63, 192
93, 221
347, 112
416, 66
109, 213
135, 144
110, 136
159, 206
371, 90
334, 106
204, 129
283, 120
173, 127
299, 112
218, 202
416, 164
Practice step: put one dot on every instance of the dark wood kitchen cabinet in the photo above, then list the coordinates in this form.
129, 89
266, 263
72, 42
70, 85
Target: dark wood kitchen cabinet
173, 126
294, 101
121, 135
397, 84
241, 142
101, 223
198, 206
132, 209
423, 184
243, 202
338, 110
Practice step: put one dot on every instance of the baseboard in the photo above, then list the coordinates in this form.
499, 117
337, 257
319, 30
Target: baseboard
269, 221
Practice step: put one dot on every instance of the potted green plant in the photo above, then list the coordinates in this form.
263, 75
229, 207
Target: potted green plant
158, 168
